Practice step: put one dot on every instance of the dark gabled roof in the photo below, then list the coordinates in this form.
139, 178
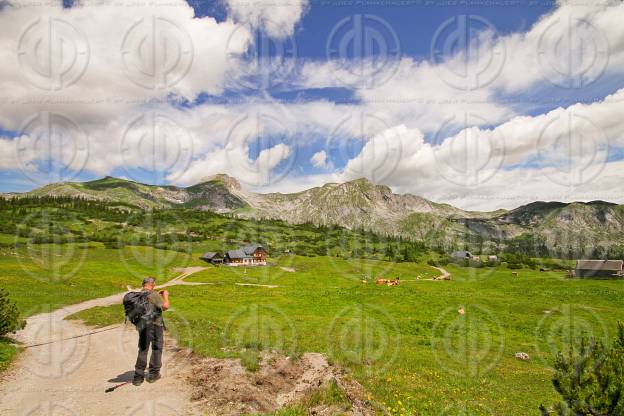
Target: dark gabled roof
237, 254
209, 255
607, 265
251, 248
462, 253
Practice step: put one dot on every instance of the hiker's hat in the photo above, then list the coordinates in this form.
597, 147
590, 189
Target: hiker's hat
149, 280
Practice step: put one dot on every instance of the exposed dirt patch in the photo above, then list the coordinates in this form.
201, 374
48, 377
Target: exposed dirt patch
224, 387
288, 269
256, 285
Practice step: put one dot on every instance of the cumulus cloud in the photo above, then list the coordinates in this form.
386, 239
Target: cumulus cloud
571, 47
234, 161
276, 18
319, 160
109, 61
563, 154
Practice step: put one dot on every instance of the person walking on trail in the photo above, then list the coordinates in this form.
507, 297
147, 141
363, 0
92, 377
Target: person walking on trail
151, 332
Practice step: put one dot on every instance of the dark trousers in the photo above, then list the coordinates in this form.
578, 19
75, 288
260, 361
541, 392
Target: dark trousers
150, 334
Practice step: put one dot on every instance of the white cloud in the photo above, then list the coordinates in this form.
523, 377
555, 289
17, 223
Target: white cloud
559, 155
112, 71
319, 160
235, 162
571, 47
276, 18
434, 94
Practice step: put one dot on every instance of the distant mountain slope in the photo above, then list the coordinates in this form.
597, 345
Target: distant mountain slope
596, 219
213, 195
359, 204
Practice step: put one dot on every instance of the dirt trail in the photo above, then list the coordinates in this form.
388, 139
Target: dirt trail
69, 376
445, 274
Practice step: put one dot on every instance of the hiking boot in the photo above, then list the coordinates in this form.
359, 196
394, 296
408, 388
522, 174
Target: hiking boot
137, 380
151, 378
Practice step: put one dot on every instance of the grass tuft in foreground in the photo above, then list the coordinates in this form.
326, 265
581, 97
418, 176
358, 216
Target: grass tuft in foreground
8, 352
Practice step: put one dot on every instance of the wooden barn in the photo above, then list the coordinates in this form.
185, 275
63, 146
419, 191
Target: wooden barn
463, 255
212, 257
599, 268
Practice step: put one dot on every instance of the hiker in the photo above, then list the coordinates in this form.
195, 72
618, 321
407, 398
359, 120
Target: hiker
150, 325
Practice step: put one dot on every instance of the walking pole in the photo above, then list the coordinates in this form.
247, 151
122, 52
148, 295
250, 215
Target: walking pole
108, 390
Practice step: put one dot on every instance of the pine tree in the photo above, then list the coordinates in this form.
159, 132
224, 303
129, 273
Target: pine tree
590, 381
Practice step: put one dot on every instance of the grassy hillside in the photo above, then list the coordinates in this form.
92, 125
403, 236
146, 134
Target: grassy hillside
360, 204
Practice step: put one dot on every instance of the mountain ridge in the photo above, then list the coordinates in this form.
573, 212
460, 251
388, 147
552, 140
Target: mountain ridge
355, 204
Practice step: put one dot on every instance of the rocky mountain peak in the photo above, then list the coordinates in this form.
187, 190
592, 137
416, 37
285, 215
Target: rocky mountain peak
365, 185
228, 181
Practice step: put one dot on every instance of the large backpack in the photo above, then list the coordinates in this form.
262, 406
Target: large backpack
136, 307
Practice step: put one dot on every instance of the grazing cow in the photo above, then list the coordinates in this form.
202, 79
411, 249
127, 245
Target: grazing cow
388, 282
514, 274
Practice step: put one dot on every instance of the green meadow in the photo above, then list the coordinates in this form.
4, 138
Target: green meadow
42, 277
408, 345
423, 347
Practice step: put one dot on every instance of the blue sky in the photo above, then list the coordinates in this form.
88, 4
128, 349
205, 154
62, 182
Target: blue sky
400, 72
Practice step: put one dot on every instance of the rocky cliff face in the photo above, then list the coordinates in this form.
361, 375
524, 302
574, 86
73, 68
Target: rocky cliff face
359, 204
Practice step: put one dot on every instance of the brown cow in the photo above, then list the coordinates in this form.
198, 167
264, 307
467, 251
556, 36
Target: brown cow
388, 282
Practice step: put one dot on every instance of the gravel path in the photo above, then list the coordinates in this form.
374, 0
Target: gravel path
68, 376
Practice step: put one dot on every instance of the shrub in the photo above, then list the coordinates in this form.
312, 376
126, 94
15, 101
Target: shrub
9, 315
114, 244
475, 263
590, 381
